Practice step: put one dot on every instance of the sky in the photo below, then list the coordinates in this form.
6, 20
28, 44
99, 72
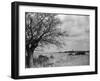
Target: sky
77, 27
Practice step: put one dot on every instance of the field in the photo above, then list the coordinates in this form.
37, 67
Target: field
62, 59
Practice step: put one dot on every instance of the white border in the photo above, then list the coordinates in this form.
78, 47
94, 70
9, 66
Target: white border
68, 69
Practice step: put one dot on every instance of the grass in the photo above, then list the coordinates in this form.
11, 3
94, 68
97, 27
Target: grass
64, 59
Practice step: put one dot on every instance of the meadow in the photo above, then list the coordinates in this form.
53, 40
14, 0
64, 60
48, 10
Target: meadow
60, 59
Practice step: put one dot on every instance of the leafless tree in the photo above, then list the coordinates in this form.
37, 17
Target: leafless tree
41, 29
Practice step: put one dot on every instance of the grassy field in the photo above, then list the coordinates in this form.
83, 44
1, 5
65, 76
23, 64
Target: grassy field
71, 60
64, 59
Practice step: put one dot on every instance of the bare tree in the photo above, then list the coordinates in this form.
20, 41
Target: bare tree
41, 29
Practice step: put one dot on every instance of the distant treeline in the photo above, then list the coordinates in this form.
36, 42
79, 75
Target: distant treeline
76, 52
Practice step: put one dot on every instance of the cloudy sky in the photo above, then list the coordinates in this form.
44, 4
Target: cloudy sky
77, 27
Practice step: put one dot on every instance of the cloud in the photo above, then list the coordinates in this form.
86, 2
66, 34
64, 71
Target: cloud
74, 25
77, 26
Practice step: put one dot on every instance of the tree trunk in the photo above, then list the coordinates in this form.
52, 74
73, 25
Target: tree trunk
29, 56
29, 59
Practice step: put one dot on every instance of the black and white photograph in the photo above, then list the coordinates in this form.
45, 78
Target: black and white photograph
50, 40
56, 40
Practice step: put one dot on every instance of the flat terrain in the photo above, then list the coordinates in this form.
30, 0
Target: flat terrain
64, 59
71, 60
